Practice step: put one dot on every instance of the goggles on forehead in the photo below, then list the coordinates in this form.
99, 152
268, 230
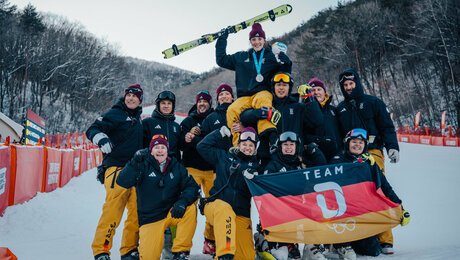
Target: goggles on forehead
251, 136
288, 136
358, 132
161, 136
132, 90
203, 91
166, 95
282, 77
347, 77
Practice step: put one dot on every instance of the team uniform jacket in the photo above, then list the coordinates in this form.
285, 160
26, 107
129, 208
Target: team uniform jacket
190, 157
229, 186
245, 71
346, 157
160, 124
154, 201
123, 126
215, 121
374, 113
282, 163
328, 130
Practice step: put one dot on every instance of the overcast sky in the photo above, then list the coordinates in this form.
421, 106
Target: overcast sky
144, 28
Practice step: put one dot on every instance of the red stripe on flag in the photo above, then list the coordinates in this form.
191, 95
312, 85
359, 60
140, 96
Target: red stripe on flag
360, 198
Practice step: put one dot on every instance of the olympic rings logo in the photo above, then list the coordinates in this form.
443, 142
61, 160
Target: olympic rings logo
349, 225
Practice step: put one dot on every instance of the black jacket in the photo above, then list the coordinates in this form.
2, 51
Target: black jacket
190, 157
283, 163
229, 186
359, 110
245, 71
123, 126
153, 199
160, 124
346, 157
215, 121
327, 135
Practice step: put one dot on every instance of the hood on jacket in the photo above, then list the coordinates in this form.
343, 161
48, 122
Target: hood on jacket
358, 91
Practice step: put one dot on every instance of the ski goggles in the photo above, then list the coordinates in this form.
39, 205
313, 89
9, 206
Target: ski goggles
358, 132
347, 77
245, 136
132, 91
282, 77
159, 136
167, 95
203, 92
288, 136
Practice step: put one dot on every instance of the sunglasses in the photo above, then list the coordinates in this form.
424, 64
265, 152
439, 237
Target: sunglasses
167, 95
288, 136
282, 77
347, 77
358, 132
248, 136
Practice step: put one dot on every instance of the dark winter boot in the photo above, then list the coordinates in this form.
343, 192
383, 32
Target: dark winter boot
226, 257
103, 256
181, 255
132, 255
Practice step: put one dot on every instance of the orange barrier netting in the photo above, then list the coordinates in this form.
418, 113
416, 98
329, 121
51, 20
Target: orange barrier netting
26, 170
429, 136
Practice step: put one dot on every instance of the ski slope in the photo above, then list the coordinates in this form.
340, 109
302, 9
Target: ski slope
61, 224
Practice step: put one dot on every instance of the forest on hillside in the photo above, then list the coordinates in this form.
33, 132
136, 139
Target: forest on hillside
64, 73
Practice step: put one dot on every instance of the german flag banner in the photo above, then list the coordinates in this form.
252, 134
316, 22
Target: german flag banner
327, 204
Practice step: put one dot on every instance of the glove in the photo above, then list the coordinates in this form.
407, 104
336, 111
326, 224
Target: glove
271, 114
305, 92
178, 210
249, 173
103, 141
311, 148
101, 173
141, 155
394, 155
260, 242
277, 48
284, 59
224, 33
195, 130
405, 219
224, 131
366, 157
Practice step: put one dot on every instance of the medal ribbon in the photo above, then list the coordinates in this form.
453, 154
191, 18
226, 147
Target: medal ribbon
258, 64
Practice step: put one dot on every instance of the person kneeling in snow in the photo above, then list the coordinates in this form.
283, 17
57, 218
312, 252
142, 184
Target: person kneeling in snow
355, 150
228, 208
165, 197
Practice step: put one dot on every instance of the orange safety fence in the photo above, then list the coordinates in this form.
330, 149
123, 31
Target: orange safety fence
26, 170
429, 136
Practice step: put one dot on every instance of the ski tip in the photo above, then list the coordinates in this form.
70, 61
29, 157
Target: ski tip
289, 7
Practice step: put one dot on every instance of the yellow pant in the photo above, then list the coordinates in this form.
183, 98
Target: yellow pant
116, 199
152, 234
233, 233
204, 179
387, 236
258, 100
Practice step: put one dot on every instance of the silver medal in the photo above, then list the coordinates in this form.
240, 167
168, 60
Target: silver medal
259, 78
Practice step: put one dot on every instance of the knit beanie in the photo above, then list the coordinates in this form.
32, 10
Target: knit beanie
136, 90
204, 95
158, 139
316, 83
224, 87
256, 31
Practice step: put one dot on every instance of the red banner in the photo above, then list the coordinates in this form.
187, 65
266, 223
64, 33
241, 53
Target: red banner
66, 167
28, 176
4, 177
417, 120
84, 161
443, 120
77, 162
53, 169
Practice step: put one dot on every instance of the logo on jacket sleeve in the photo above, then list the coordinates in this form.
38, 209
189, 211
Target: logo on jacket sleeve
152, 174
217, 122
174, 129
158, 127
343, 110
129, 119
361, 106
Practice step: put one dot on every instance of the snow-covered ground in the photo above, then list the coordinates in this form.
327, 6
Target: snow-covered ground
61, 224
